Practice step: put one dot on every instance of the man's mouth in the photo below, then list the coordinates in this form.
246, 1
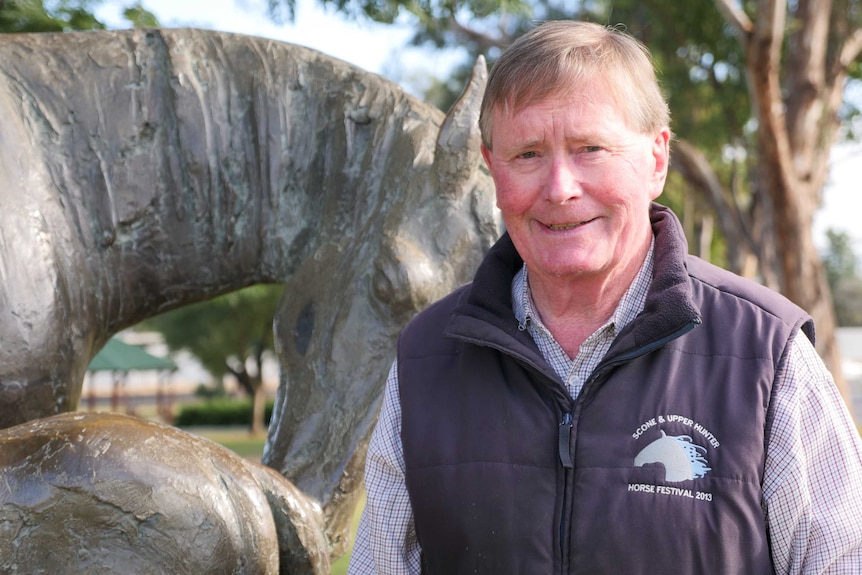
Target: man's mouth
562, 227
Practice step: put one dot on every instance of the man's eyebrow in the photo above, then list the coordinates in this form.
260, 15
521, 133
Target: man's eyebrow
592, 138
531, 143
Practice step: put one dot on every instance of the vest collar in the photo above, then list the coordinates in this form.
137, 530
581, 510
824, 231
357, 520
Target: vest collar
669, 310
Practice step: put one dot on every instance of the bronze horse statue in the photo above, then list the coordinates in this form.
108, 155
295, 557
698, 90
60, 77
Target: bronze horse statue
144, 170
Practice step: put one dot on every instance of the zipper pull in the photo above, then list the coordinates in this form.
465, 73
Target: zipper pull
565, 440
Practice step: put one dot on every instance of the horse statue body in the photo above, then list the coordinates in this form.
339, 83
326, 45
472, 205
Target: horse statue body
144, 170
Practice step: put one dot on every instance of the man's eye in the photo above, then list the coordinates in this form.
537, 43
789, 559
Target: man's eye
592, 148
528, 155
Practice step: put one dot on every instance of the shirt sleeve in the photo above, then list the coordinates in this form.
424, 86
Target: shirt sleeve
386, 539
812, 486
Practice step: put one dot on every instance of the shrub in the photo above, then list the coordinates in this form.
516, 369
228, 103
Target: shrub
218, 412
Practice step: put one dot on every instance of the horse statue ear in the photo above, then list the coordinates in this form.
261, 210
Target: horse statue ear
459, 138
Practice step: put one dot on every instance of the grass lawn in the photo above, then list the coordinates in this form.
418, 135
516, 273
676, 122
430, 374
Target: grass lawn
237, 439
340, 566
242, 443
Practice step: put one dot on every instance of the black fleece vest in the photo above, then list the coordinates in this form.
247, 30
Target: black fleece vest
656, 468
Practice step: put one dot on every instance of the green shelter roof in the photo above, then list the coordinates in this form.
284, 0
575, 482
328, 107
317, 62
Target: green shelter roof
120, 356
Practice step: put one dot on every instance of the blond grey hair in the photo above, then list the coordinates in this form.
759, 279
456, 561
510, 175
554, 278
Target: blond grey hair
555, 57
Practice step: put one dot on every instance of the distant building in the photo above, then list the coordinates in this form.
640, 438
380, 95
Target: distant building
850, 342
137, 391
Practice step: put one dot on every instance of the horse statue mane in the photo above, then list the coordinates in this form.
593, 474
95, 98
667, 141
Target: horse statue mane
144, 170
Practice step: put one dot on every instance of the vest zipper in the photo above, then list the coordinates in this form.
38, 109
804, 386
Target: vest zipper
564, 444
564, 441
607, 365
564, 438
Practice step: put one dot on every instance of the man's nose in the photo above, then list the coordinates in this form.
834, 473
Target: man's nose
564, 181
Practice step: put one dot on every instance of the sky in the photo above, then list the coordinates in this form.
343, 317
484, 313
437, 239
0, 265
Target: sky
377, 47
841, 208
355, 42
373, 47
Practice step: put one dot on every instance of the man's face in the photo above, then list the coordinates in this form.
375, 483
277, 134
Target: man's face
574, 183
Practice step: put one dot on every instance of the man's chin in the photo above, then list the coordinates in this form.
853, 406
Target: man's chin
562, 267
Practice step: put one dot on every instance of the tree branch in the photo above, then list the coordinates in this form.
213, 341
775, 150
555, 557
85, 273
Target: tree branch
763, 59
693, 165
736, 17
806, 87
851, 48
483, 42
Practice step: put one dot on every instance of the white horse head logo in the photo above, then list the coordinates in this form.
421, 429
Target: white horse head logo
682, 459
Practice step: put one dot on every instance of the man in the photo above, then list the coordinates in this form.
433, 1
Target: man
597, 401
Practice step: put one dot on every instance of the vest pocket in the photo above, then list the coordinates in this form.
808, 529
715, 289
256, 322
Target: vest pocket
485, 517
634, 521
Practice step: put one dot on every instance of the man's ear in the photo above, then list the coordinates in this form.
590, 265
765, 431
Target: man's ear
661, 157
486, 154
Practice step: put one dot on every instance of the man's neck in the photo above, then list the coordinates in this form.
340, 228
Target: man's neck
572, 309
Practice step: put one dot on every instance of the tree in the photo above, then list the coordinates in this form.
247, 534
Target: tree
21, 16
842, 272
25, 16
797, 62
756, 88
228, 335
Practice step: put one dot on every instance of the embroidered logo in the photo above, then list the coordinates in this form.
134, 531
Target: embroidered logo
681, 456
682, 459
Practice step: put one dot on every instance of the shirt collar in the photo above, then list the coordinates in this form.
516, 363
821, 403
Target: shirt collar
630, 305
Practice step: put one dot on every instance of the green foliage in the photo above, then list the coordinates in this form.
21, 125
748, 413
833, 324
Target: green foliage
840, 261
211, 392
427, 12
24, 16
842, 273
225, 332
228, 335
219, 412
139, 17
701, 66
28, 16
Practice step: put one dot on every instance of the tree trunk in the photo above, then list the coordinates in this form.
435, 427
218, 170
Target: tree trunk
253, 386
258, 409
694, 166
794, 136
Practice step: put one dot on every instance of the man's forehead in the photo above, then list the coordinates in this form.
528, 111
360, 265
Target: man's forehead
580, 97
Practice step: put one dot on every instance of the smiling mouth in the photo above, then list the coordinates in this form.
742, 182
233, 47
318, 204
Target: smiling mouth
562, 227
